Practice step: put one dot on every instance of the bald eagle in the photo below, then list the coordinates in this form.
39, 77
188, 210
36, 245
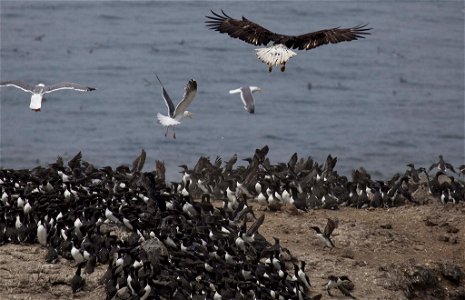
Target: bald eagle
278, 50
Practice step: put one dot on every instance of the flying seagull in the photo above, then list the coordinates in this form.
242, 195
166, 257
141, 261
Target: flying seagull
278, 45
246, 96
326, 235
41, 89
175, 115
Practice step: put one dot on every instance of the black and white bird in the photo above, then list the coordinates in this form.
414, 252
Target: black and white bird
343, 283
441, 165
278, 50
246, 96
176, 114
325, 236
38, 91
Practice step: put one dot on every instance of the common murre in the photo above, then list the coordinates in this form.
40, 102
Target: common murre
325, 236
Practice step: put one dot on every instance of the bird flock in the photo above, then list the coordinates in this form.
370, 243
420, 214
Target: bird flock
306, 184
177, 243
276, 53
202, 251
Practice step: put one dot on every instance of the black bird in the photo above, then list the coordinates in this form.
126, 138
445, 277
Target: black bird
326, 235
154, 195
52, 255
90, 264
413, 173
77, 282
343, 283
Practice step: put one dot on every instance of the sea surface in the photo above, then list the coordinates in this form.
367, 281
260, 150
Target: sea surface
394, 98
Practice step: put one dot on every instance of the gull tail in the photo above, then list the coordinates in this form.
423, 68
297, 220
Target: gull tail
166, 121
235, 91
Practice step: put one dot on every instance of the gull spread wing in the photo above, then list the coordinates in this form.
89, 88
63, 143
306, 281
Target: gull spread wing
67, 86
189, 95
18, 84
166, 97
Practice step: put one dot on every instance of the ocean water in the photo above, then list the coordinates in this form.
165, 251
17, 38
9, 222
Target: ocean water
380, 103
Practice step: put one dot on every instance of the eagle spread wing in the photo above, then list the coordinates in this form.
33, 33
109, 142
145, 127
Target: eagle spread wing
255, 34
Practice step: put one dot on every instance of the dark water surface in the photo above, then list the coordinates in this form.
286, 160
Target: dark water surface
391, 99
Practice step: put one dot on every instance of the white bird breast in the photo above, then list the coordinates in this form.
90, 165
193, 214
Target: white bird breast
36, 101
275, 55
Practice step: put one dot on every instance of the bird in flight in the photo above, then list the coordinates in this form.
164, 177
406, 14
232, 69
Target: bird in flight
175, 115
41, 89
246, 96
325, 236
278, 50
441, 165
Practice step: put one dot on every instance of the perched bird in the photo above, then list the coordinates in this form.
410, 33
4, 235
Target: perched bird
41, 89
343, 283
326, 235
278, 45
77, 282
175, 115
246, 96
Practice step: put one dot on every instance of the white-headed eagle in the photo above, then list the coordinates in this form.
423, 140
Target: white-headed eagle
278, 45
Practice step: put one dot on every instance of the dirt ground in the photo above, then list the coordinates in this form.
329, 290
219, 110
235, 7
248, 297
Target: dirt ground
370, 246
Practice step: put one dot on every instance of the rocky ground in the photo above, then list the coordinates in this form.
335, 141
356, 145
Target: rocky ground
379, 249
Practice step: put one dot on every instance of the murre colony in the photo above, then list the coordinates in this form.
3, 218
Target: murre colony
178, 244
